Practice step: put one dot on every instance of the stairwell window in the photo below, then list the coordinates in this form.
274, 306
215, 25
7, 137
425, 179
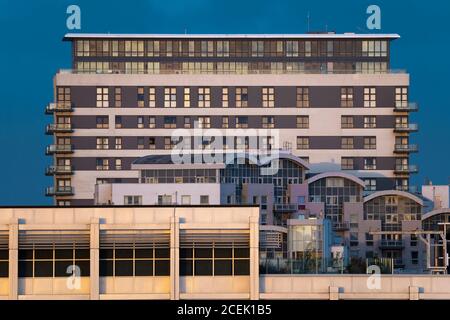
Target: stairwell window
102, 97
170, 97
241, 97
401, 97
370, 97
302, 97
347, 97
268, 97
204, 97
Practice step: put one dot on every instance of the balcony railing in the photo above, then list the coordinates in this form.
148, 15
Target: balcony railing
392, 244
412, 168
341, 226
406, 127
58, 170
285, 207
229, 71
410, 189
405, 148
408, 107
58, 107
58, 127
58, 148
59, 191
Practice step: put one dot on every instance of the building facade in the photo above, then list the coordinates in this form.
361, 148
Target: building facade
331, 99
129, 253
160, 252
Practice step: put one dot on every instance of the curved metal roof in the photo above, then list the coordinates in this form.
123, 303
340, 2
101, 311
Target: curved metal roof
338, 174
435, 212
393, 193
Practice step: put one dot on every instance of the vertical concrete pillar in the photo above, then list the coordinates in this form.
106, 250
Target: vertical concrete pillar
254, 257
413, 293
333, 292
95, 257
174, 257
13, 246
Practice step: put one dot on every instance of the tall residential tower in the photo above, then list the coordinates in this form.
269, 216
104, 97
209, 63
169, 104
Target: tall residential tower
334, 98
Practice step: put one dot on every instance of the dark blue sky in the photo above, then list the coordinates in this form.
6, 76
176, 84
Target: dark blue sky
32, 51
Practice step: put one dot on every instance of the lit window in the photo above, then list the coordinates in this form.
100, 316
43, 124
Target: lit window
303, 122
204, 98
170, 97
102, 98
347, 142
268, 98
370, 97
302, 143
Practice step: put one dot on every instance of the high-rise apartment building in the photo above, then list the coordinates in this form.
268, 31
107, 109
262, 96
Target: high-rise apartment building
333, 99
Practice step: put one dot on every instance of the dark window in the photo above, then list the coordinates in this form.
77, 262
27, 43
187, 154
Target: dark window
144, 268
162, 267
223, 267
123, 268
242, 267
203, 267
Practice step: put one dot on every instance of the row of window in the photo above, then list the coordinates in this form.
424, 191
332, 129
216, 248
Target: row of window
130, 261
370, 163
266, 122
346, 143
170, 122
231, 48
102, 143
147, 97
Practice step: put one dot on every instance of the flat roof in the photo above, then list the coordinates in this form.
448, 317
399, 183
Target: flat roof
329, 35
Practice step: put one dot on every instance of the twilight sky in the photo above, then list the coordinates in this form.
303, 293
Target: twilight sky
32, 51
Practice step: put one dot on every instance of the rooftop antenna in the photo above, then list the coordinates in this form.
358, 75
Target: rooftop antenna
308, 19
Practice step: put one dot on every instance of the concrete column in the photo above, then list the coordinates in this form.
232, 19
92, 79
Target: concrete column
95, 256
413, 293
334, 293
254, 257
13, 246
174, 258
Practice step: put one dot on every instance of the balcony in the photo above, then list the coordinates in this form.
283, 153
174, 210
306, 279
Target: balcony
392, 244
58, 170
410, 189
406, 169
58, 107
58, 128
406, 127
59, 191
58, 149
226, 71
406, 148
341, 226
285, 207
410, 107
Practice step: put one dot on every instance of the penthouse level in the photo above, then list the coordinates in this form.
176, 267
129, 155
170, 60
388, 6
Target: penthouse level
238, 53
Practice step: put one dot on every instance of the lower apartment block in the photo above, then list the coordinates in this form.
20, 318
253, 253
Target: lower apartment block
286, 196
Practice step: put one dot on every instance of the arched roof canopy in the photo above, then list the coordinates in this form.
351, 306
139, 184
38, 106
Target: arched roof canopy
267, 159
336, 174
435, 212
393, 193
